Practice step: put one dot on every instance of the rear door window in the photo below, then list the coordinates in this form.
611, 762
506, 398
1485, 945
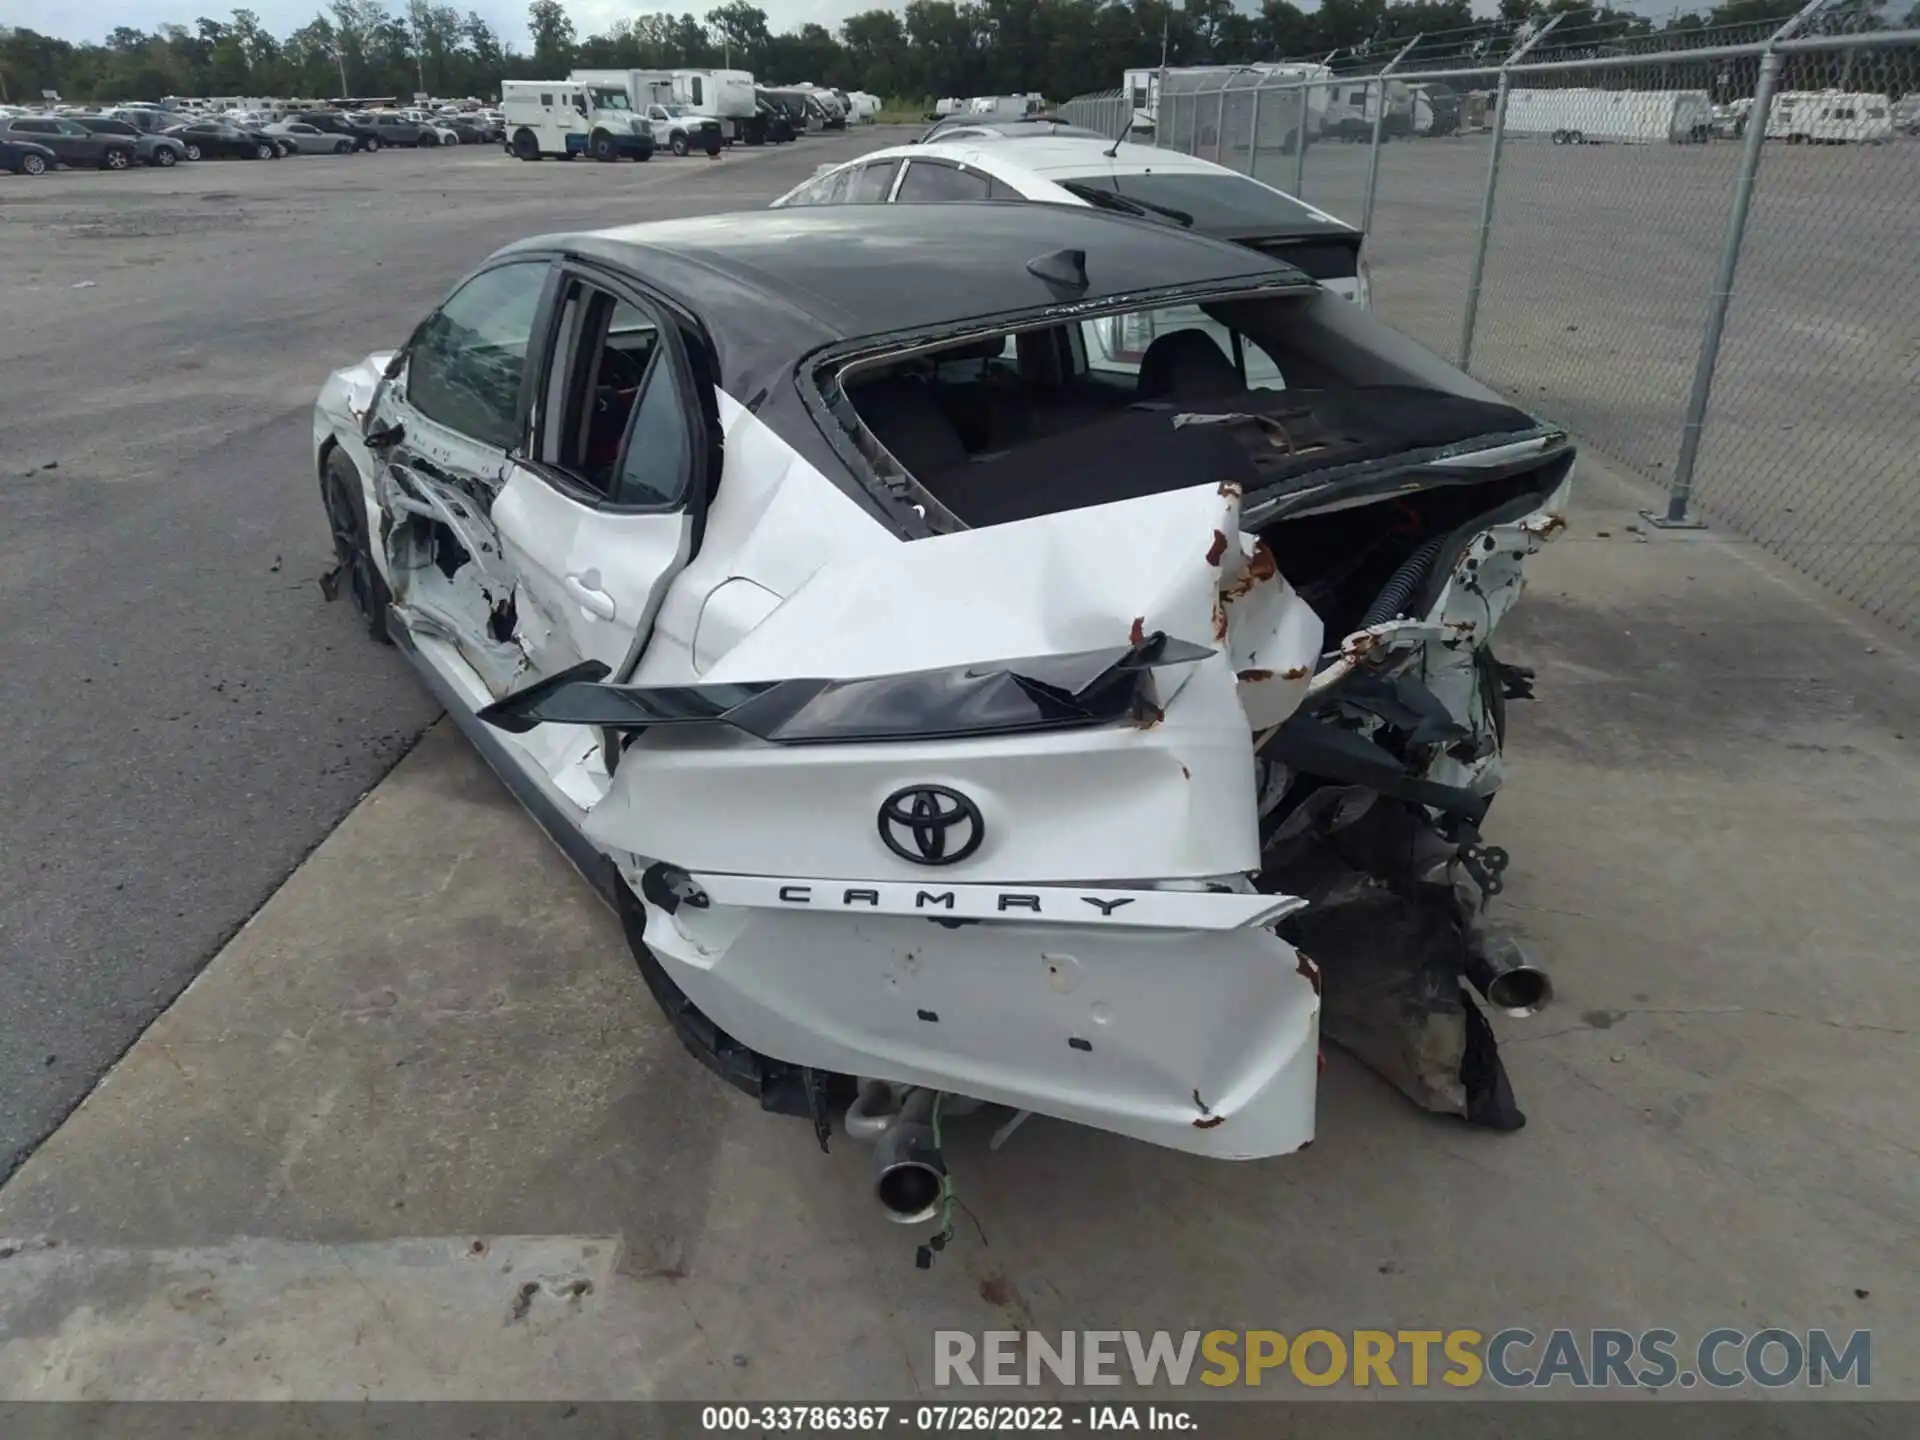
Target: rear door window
939, 181
873, 182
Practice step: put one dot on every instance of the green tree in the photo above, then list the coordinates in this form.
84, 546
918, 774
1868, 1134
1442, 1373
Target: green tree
551, 29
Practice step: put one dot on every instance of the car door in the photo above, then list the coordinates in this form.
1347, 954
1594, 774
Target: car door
52, 134
441, 428
604, 506
84, 147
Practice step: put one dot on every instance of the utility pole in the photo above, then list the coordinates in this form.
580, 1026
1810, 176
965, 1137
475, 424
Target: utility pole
1160, 84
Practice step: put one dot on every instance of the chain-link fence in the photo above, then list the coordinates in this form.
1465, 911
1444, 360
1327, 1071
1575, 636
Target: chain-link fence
1700, 249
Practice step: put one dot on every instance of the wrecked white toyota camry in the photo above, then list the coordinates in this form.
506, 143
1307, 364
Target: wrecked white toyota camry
987, 652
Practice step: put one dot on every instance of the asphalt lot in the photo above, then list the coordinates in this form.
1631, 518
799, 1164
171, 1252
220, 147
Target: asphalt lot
1598, 274
187, 718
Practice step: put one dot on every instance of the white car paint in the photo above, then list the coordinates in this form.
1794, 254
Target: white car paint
1112, 894
1033, 166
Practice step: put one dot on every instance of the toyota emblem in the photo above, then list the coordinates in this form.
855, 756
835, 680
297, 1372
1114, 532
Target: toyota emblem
931, 825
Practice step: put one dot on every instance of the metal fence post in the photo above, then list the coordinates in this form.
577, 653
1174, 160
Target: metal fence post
1253, 130
1694, 427
1479, 272
1379, 117
1300, 145
1220, 126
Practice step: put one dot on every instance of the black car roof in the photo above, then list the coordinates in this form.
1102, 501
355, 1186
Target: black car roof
772, 285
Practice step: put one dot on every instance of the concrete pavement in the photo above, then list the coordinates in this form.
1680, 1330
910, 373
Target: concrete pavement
432, 1037
187, 718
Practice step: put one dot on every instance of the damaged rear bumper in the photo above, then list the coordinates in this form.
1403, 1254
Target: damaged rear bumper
1174, 1016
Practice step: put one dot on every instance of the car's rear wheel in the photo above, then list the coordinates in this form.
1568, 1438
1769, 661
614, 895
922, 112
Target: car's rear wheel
193, 152
429, 139
354, 570
525, 146
373, 144
264, 151
116, 160
33, 165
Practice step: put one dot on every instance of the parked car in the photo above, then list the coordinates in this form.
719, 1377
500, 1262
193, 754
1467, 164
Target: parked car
162, 151
1163, 186
71, 142
1150, 713
394, 128
364, 137
208, 139
961, 127
311, 139
25, 157
465, 131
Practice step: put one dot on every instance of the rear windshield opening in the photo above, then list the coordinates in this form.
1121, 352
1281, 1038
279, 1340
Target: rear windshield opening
1015, 425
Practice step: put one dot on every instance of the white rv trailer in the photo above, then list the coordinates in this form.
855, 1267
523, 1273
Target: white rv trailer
1210, 110
1830, 117
1353, 104
1630, 117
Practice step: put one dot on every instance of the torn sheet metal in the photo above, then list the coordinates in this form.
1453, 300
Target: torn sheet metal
1047, 692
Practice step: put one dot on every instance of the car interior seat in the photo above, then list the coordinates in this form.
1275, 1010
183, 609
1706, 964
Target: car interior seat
1186, 365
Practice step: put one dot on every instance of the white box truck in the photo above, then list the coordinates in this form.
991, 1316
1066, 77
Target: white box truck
566, 118
726, 95
1627, 117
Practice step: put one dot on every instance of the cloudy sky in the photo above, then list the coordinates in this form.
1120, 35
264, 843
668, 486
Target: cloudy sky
92, 20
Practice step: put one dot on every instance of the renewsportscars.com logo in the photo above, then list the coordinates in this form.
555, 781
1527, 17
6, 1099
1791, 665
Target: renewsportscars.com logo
1514, 1358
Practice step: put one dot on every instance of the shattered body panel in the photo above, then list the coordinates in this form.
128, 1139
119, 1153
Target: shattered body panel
1078, 808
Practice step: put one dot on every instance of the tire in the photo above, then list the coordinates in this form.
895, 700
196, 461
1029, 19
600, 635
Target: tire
525, 146
193, 152
165, 158
678, 144
264, 151
355, 573
116, 160
373, 145
33, 164
428, 140
345, 147
603, 150
644, 155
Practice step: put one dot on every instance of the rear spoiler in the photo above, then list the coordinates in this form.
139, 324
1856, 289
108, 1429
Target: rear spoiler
1319, 254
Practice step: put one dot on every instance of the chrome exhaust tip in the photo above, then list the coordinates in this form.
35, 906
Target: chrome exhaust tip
909, 1173
1499, 969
